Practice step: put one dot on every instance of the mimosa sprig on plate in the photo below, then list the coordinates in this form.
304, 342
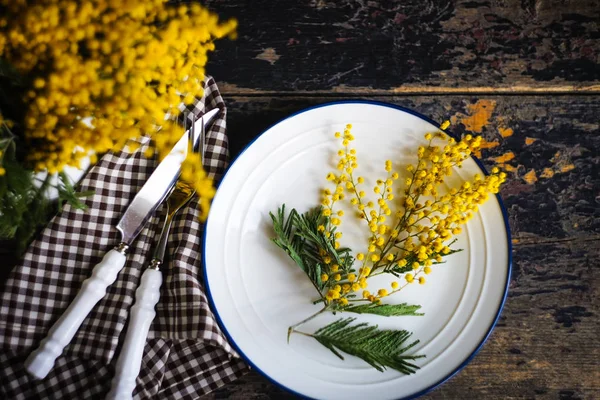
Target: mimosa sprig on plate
411, 225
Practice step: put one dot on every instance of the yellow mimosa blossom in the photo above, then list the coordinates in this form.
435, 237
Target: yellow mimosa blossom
102, 73
425, 216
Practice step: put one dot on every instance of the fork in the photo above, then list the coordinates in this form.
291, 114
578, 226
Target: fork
147, 294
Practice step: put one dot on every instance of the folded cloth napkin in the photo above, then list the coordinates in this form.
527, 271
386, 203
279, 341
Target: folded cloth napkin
186, 354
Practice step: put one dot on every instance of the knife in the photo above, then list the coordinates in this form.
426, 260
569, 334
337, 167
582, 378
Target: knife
147, 295
146, 201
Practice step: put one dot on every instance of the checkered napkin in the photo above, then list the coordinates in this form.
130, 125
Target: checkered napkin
186, 354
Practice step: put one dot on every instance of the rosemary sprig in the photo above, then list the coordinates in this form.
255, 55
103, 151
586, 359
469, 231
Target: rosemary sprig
297, 246
299, 235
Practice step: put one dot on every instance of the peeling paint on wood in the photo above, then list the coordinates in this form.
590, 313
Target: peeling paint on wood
269, 55
546, 343
505, 132
504, 158
547, 173
523, 74
478, 115
232, 89
509, 46
486, 145
566, 130
530, 177
448, 59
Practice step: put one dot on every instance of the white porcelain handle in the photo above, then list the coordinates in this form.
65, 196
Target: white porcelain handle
141, 316
41, 361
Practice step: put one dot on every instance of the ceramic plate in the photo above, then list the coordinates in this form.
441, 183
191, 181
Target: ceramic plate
257, 291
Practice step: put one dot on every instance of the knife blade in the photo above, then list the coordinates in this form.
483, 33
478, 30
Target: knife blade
146, 201
156, 188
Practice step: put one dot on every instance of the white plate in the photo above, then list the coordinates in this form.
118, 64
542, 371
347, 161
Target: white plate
257, 292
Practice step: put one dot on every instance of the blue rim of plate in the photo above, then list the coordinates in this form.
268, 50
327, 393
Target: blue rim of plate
467, 360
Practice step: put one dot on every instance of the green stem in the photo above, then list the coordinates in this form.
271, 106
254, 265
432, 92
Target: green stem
292, 328
304, 333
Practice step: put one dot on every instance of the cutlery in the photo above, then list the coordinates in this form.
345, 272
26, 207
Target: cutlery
146, 297
40, 362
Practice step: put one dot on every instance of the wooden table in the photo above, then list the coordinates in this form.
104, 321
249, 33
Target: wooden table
524, 74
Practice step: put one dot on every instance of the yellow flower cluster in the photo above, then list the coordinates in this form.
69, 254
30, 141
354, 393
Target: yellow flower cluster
342, 180
103, 71
193, 172
409, 227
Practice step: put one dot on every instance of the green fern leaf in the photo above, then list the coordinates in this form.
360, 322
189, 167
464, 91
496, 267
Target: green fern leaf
379, 348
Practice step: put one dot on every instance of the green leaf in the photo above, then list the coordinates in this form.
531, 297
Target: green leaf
285, 235
379, 348
298, 234
67, 193
452, 251
24, 207
387, 310
317, 276
397, 270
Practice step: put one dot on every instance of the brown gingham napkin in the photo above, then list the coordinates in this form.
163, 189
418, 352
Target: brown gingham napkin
186, 354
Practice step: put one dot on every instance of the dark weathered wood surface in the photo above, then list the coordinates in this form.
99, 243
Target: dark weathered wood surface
459, 59
412, 46
546, 344
551, 150
523, 73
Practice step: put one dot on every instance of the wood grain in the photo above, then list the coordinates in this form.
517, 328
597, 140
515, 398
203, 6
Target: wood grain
409, 47
558, 138
545, 345
525, 74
